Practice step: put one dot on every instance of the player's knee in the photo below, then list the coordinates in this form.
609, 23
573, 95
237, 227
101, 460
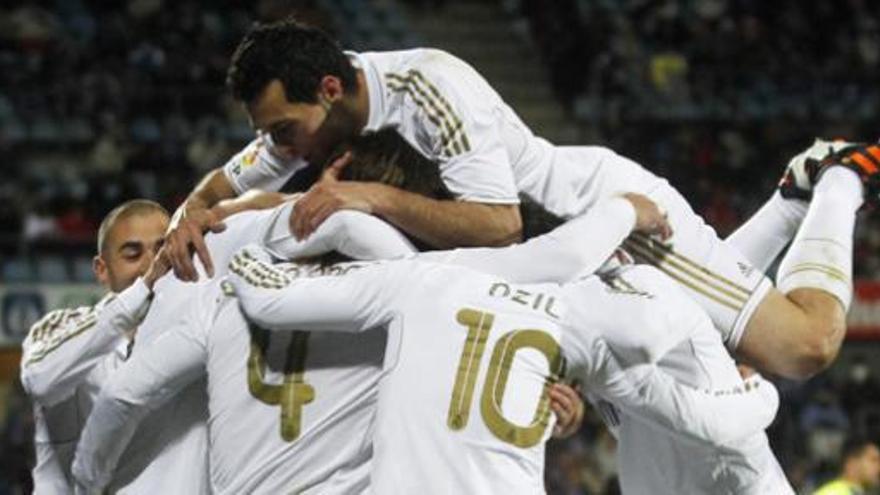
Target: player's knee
821, 345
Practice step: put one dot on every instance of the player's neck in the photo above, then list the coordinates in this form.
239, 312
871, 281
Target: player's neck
361, 100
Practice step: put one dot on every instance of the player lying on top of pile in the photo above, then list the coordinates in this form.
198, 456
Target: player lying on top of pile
306, 96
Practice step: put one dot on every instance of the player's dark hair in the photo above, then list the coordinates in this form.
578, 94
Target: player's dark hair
296, 54
536, 220
384, 156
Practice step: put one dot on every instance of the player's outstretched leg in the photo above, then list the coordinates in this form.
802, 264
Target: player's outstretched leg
797, 330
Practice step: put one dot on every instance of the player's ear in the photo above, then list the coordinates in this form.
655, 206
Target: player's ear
99, 266
330, 89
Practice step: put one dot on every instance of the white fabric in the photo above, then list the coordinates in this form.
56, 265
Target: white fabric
415, 449
576, 248
766, 233
504, 158
257, 167
66, 357
646, 318
204, 335
820, 256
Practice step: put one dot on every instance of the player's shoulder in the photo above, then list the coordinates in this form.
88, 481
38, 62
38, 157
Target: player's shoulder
57, 326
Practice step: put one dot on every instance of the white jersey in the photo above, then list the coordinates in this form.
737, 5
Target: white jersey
66, 357
260, 441
486, 154
458, 338
668, 328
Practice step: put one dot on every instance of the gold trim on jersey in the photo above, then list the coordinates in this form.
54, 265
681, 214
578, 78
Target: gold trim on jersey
453, 139
828, 270
687, 272
43, 335
257, 273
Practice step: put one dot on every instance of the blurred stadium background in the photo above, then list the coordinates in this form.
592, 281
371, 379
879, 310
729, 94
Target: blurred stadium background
106, 101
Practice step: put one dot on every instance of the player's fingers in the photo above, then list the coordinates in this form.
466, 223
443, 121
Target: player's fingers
301, 216
183, 255
176, 255
217, 227
198, 242
333, 171
325, 210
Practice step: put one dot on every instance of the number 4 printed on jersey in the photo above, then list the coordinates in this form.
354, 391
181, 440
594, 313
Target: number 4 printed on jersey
479, 323
293, 393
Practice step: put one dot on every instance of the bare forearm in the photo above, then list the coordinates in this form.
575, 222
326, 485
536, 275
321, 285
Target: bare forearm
251, 200
212, 189
448, 224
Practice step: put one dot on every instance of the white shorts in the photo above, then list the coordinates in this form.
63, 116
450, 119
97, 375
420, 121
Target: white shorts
714, 273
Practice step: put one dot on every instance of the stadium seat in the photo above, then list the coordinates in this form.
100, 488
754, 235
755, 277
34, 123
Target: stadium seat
17, 270
52, 269
82, 270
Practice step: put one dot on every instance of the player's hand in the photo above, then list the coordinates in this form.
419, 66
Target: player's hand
568, 406
330, 195
650, 219
187, 235
159, 266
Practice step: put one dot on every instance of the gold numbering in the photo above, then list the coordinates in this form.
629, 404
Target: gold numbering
478, 324
293, 393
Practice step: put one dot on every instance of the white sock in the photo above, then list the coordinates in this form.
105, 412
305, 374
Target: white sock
821, 254
768, 231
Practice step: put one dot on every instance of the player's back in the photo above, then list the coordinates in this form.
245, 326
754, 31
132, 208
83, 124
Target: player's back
463, 407
290, 412
646, 317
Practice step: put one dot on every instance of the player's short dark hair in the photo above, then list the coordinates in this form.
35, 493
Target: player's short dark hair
296, 54
123, 211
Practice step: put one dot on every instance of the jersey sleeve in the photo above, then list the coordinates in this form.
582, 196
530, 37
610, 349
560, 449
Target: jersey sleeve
446, 109
257, 166
359, 298
66, 345
576, 248
151, 377
352, 233
650, 395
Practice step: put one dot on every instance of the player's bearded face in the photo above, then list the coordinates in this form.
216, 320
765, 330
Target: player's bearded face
131, 245
301, 130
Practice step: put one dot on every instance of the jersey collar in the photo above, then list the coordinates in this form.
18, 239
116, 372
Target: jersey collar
375, 94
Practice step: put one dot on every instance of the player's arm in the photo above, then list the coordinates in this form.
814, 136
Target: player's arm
151, 377
62, 348
455, 124
355, 301
653, 396
257, 166
440, 223
576, 248
352, 233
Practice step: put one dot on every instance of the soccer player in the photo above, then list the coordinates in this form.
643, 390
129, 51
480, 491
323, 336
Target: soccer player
70, 353
305, 96
453, 328
287, 413
859, 471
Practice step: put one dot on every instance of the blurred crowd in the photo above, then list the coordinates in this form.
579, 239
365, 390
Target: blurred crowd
105, 101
